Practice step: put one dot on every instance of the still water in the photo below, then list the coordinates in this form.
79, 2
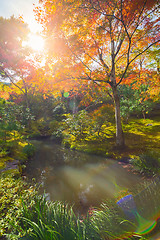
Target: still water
78, 178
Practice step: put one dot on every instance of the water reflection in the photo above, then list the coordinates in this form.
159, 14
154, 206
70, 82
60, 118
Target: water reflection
78, 178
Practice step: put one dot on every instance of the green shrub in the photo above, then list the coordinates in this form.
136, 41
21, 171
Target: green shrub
79, 125
29, 150
148, 163
133, 100
3, 152
12, 190
103, 116
39, 127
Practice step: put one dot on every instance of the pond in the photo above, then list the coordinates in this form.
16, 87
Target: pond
78, 178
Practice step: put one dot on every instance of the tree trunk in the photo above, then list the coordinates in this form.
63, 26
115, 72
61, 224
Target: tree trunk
143, 113
119, 132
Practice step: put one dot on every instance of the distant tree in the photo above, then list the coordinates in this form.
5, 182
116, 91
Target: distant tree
13, 64
9, 115
135, 101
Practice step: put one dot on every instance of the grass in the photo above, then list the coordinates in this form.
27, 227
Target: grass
111, 223
53, 221
56, 220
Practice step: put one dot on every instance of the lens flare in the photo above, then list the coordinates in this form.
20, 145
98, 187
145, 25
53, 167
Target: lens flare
145, 226
66, 94
35, 41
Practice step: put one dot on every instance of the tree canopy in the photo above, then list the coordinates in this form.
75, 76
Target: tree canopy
99, 41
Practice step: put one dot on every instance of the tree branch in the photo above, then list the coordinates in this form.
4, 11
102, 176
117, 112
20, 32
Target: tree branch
102, 61
138, 23
75, 54
119, 46
10, 78
134, 59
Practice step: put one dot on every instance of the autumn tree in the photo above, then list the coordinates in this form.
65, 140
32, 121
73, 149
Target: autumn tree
99, 40
13, 32
14, 67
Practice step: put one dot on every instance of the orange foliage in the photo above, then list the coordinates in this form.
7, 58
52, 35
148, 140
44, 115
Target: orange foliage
79, 31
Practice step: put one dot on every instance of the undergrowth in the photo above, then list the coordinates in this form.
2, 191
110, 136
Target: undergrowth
12, 190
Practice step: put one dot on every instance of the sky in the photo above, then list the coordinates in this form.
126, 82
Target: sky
20, 8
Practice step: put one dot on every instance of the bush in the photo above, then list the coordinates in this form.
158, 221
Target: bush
85, 126
3, 152
56, 129
135, 101
29, 150
102, 118
148, 163
79, 125
12, 190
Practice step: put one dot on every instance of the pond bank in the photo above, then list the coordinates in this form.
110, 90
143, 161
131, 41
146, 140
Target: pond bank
106, 175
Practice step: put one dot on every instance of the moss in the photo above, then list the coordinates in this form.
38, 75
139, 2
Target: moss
140, 135
2, 163
4, 160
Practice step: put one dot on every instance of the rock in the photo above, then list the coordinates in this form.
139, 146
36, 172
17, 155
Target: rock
124, 160
11, 165
149, 124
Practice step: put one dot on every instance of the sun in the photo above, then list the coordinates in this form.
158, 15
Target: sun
36, 42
